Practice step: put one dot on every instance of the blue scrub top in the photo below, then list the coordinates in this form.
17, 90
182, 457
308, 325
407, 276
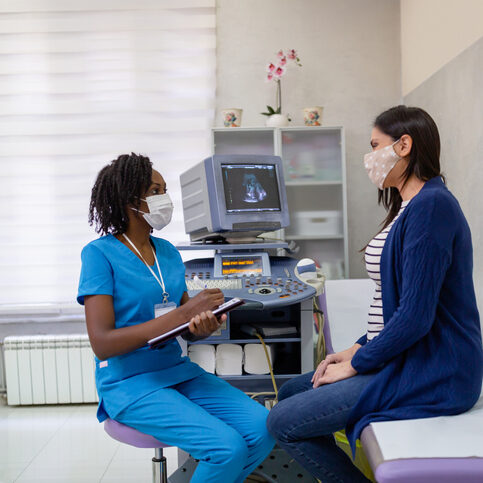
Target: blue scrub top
110, 268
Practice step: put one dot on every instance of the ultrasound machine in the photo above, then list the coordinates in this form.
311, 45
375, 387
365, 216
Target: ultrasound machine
228, 202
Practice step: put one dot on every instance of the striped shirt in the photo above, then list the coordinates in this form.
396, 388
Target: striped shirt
373, 266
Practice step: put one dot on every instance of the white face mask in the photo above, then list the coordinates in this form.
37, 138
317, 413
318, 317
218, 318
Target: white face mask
379, 163
160, 210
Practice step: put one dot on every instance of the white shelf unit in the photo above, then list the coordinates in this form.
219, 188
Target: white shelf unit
315, 179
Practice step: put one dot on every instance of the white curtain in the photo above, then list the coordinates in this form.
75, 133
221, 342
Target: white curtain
81, 83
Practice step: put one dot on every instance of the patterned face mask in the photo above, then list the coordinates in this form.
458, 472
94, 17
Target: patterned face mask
379, 163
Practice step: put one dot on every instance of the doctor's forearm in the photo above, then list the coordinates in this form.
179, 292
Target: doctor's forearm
114, 342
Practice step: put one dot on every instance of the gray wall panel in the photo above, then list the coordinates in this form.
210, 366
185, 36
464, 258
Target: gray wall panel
454, 98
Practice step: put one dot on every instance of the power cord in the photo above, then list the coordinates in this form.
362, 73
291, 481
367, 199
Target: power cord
275, 388
321, 347
320, 350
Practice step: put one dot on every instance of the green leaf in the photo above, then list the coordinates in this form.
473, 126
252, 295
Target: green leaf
278, 111
270, 109
265, 113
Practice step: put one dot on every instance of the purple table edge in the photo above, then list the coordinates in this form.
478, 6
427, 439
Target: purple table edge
419, 470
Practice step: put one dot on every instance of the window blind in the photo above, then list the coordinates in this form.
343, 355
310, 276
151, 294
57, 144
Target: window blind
81, 83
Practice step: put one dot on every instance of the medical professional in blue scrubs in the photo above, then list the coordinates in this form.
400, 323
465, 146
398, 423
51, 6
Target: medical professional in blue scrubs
421, 355
133, 287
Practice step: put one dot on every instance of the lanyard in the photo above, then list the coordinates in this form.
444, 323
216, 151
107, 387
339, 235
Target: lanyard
160, 279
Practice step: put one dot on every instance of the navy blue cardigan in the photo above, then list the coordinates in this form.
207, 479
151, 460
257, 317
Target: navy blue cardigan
428, 357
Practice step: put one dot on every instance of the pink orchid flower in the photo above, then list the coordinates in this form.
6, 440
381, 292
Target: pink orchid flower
269, 76
279, 71
283, 61
271, 67
292, 54
280, 53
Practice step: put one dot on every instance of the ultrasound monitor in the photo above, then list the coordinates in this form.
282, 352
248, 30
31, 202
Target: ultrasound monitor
250, 187
233, 196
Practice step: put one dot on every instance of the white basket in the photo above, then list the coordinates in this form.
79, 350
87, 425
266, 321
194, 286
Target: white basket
313, 223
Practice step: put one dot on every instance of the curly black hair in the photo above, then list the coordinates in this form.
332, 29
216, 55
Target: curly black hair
122, 182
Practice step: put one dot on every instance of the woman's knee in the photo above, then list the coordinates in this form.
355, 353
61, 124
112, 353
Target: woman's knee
278, 421
295, 386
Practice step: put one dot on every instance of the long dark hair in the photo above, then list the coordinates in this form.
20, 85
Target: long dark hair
424, 155
122, 182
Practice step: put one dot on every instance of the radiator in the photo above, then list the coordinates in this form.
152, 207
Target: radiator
49, 369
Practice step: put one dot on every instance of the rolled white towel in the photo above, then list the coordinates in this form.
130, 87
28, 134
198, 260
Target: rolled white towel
229, 360
203, 355
256, 360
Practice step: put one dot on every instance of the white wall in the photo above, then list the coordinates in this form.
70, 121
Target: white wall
350, 53
433, 32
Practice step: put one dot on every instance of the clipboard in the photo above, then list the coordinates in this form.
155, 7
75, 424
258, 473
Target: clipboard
222, 309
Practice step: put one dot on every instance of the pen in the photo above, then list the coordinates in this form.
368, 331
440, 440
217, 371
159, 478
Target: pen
199, 283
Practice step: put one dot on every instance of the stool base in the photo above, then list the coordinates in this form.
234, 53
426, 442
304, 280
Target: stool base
160, 470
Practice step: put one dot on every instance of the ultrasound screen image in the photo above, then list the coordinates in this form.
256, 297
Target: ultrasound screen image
250, 187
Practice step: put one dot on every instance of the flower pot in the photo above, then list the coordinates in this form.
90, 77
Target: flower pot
277, 120
313, 116
232, 117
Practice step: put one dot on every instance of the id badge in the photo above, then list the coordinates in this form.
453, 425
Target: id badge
163, 309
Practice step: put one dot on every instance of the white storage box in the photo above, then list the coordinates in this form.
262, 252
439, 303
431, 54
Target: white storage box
203, 355
229, 360
314, 223
256, 359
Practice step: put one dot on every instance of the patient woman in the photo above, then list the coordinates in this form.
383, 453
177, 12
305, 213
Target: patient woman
133, 288
421, 355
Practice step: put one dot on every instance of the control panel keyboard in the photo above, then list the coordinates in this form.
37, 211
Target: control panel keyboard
282, 287
221, 283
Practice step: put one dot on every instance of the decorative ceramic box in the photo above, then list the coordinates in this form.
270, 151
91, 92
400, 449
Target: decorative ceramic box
232, 117
313, 116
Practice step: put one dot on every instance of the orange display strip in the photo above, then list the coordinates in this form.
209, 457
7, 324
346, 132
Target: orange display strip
239, 262
241, 270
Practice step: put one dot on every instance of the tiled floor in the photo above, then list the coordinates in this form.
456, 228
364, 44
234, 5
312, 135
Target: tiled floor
66, 444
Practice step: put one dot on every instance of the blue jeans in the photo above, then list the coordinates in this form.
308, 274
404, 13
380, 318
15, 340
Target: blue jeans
304, 419
211, 420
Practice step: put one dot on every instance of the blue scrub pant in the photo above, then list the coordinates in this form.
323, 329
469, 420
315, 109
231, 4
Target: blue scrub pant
211, 420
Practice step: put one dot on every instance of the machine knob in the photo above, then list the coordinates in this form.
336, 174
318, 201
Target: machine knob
307, 272
306, 266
